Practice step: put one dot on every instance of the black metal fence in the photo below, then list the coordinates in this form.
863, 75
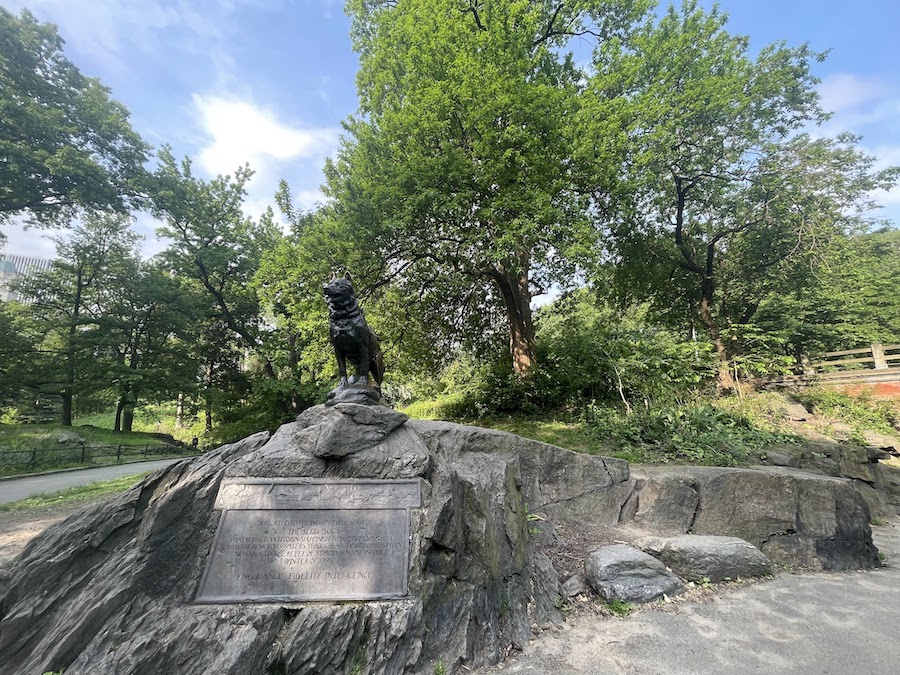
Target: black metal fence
82, 454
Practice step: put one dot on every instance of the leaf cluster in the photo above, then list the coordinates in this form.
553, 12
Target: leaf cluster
66, 145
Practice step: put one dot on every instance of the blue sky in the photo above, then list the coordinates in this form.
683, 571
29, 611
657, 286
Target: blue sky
269, 81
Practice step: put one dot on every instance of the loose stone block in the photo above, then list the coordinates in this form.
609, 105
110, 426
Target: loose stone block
695, 557
620, 572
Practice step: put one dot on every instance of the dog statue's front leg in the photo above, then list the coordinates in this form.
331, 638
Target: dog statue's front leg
342, 367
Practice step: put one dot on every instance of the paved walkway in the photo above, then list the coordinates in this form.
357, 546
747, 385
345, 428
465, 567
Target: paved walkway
20, 488
840, 623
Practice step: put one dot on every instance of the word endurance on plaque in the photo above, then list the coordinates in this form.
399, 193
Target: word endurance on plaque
284, 540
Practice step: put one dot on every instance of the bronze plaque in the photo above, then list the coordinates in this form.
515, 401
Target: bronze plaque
283, 540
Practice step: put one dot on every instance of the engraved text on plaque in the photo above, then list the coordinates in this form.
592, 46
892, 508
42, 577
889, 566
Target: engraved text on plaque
285, 540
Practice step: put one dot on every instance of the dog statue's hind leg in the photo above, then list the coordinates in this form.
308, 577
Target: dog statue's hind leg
362, 366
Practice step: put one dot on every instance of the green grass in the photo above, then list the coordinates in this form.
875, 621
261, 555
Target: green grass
442, 408
572, 435
619, 608
708, 431
29, 448
27, 436
861, 412
154, 418
81, 493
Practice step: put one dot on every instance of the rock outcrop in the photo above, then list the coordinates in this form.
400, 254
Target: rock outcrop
113, 589
697, 557
794, 517
877, 480
620, 572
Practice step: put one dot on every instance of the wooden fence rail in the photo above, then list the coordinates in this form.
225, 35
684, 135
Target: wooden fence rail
875, 363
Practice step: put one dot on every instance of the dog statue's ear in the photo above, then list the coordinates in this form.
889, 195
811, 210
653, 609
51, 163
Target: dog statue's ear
347, 276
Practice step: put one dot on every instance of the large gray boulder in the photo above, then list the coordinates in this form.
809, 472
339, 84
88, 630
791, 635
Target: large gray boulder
869, 468
696, 557
111, 590
794, 517
620, 572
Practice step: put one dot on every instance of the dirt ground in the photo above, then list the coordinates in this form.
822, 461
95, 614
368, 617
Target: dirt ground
17, 528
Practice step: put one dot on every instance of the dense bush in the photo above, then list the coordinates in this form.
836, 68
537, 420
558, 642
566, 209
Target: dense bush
695, 432
264, 408
588, 353
591, 351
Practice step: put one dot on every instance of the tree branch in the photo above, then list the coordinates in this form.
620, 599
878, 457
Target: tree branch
473, 8
548, 31
690, 261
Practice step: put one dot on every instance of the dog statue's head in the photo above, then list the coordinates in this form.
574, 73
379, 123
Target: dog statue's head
339, 291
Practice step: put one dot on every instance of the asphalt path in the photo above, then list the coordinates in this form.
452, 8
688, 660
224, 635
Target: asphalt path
20, 488
840, 623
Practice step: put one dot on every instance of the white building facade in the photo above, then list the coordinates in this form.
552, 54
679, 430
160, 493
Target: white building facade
15, 266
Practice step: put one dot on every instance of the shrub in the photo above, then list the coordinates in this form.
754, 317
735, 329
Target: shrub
590, 352
697, 432
453, 406
587, 353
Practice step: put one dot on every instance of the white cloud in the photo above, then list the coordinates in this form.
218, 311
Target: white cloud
238, 131
145, 225
242, 132
863, 105
886, 156
106, 28
868, 106
846, 92
307, 199
890, 200
31, 242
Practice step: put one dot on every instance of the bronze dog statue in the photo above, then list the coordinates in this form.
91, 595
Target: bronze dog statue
351, 336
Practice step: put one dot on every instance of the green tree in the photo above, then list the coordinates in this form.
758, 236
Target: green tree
147, 326
214, 243
849, 302
592, 351
20, 358
65, 145
726, 201
455, 175
67, 301
219, 250
289, 283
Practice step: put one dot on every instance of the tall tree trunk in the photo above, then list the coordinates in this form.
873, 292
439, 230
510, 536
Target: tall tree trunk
705, 270
294, 360
68, 392
67, 407
516, 294
128, 417
207, 396
179, 411
130, 389
120, 405
725, 380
